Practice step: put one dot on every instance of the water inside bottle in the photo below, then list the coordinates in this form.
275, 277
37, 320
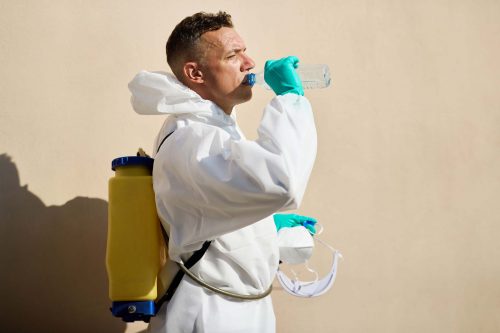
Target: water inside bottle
314, 76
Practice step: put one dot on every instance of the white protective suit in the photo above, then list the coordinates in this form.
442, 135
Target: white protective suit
213, 184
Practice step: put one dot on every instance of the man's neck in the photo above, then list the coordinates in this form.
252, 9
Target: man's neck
226, 108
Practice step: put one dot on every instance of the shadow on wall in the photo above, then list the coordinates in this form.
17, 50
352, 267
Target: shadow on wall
52, 272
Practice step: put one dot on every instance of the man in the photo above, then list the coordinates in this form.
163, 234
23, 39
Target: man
213, 184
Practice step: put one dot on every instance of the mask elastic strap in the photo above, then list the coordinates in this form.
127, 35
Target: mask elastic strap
296, 276
309, 269
334, 250
312, 271
320, 227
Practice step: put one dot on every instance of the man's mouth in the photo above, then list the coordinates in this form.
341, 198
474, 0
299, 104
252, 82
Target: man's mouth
249, 80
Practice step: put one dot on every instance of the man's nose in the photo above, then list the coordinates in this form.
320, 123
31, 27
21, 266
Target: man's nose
247, 63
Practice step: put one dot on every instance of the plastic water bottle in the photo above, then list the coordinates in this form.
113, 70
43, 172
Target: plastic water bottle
312, 77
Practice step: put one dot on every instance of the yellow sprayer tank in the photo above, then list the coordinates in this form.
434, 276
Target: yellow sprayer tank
134, 239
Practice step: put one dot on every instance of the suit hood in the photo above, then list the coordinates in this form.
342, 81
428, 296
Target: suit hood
163, 93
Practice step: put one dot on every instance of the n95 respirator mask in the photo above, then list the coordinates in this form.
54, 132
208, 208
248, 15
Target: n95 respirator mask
295, 245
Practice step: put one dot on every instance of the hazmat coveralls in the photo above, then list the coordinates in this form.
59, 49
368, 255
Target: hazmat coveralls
213, 184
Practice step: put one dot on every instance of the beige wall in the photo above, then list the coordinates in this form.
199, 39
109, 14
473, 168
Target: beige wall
407, 179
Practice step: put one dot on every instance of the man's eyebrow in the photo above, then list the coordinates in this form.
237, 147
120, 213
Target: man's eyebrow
237, 49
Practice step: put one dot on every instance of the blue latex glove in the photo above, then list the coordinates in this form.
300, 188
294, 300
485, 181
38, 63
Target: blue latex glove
294, 220
282, 77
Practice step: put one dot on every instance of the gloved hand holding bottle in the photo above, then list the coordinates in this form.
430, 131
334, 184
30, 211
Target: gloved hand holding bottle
282, 77
286, 75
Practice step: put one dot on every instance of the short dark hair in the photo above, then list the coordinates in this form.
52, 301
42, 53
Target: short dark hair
182, 43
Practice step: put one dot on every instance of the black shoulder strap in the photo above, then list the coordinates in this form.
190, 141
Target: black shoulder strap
165, 138
195, 257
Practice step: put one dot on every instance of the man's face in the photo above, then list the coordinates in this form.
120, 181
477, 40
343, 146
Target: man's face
224, 67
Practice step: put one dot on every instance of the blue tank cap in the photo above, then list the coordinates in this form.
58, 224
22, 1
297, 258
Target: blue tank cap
131, 311
132, 160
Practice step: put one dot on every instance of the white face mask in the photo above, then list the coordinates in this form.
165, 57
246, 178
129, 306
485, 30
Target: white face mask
313, 288
295, 244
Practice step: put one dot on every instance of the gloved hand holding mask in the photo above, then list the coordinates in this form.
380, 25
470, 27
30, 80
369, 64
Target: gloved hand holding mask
282, 77
296, 244
295, 240
294, 220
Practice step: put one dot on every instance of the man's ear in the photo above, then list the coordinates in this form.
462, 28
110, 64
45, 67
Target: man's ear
192, 73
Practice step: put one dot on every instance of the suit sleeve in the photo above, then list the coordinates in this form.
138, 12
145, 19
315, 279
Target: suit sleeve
207, 184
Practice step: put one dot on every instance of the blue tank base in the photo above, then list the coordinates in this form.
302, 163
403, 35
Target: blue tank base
130, 311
